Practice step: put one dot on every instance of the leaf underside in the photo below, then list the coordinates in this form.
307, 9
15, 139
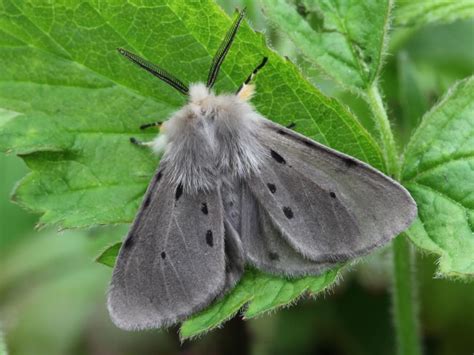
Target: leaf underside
345, 39
69, 103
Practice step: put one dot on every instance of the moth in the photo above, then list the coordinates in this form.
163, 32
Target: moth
233, 189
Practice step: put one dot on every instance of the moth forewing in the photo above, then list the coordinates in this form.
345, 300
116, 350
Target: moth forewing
172, 262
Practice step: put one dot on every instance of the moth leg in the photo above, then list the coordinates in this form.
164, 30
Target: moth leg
152, 124
245, 90
135, 141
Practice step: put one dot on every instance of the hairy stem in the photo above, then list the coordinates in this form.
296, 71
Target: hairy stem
403, 295
404, 298
383, 125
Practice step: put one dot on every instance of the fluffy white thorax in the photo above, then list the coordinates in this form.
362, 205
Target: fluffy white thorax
210, 138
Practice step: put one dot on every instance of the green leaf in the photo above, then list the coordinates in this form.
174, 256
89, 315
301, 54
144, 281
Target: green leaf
109, 255
439, 172
70, 103
422, 12
344, 38
221, 310
262, 293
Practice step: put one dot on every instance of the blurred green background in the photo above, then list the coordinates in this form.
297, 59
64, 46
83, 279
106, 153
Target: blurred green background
52, 293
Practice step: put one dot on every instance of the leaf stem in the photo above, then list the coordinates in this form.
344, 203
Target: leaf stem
404, 302
383, 125
404, 298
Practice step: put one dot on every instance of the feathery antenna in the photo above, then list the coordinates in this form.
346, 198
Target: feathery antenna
223, 49
156, 71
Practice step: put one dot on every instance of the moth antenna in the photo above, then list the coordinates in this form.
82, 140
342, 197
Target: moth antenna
155, 70
223, 49
152, 124
252, 75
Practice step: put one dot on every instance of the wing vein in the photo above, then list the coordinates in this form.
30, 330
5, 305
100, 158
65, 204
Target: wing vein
311, 205
181, 284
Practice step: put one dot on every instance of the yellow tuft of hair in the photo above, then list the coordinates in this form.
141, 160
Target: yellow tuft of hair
247, 92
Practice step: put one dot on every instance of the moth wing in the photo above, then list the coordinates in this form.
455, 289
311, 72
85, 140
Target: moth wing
264, 245
328, 206
235, 261
172, 262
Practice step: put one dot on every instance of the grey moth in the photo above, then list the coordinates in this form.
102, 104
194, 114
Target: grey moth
233, 189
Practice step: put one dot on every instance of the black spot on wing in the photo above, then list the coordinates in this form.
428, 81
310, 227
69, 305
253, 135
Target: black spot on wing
154, 182
129, 241
349, 162
288, 212
156, 179
147, 201
158, 176
209, 238
179, 192
163, 255
332, 194
277, 157
204, 208
272, 188
273, 256
306, 141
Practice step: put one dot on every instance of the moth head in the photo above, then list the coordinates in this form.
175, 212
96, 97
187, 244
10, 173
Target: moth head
202, 101
198, 92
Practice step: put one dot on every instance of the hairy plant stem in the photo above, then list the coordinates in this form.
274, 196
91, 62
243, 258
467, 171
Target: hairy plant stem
404, 298
382, 123
403, 293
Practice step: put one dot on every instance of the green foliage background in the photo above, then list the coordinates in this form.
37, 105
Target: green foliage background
68, 104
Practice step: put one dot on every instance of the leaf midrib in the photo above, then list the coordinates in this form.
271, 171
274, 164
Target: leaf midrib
441, 163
